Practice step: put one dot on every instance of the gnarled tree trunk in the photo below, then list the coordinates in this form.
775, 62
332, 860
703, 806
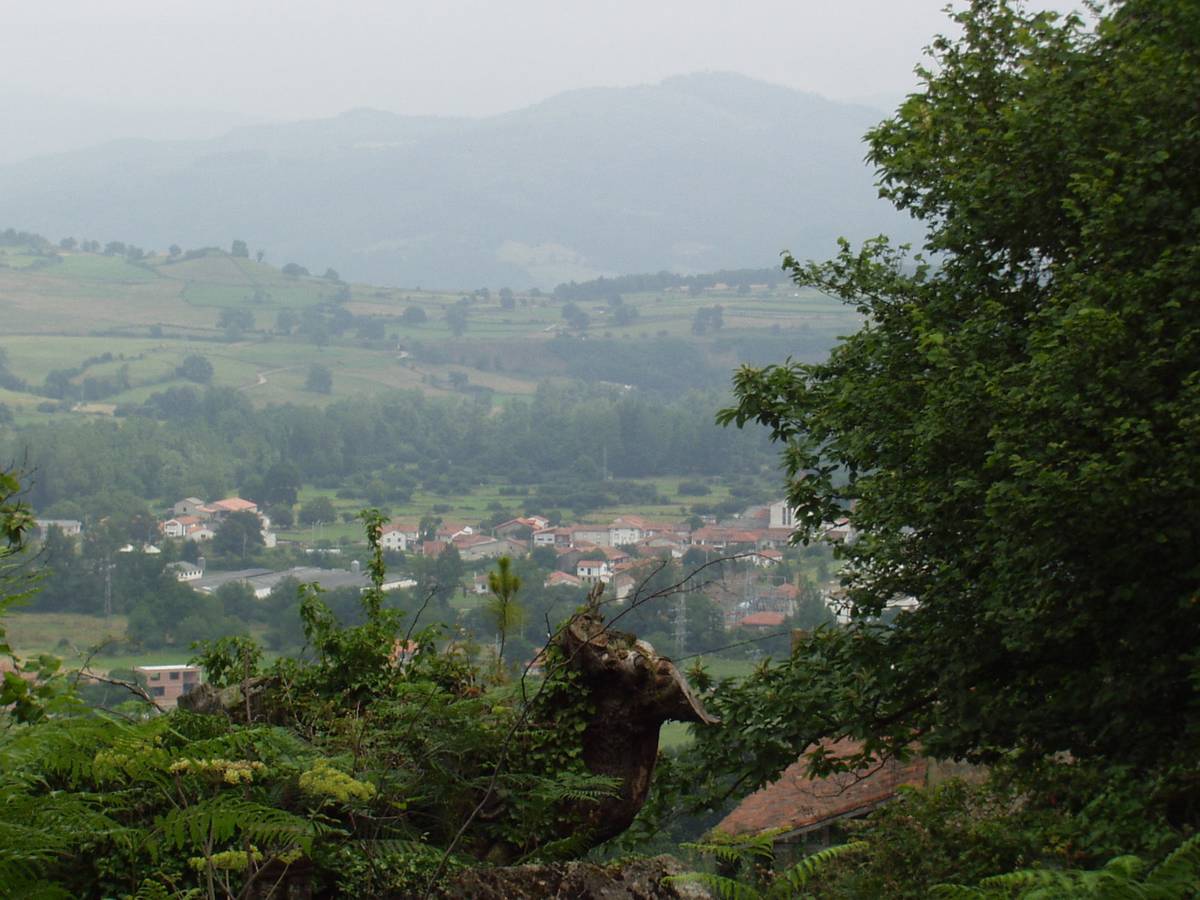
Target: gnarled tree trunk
634, 691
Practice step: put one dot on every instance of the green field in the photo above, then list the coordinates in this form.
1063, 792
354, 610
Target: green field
79, 640
152, 313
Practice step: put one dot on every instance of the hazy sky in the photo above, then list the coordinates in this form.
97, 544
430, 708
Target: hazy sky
304, 58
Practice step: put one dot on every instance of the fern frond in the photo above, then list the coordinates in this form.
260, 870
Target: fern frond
578, 787
738, 848
219, 818
1181, 867
957, 892
797, 876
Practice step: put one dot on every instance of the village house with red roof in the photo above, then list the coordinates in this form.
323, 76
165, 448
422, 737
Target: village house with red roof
809, 809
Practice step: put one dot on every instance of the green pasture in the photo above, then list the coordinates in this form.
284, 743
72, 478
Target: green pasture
78, 639
94, 267
61, 634
52, 315
33, 357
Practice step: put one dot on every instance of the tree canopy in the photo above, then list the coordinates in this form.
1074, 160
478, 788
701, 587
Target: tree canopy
1015, 426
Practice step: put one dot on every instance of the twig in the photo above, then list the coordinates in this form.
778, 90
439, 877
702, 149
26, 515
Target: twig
128, 685
408, 634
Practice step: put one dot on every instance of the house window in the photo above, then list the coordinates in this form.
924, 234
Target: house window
156, 677
174, 676
158, 691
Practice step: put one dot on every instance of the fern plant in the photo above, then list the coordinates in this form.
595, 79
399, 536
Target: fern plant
1177, 877
758, 850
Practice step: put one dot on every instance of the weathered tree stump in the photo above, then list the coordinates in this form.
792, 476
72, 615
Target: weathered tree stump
634, 691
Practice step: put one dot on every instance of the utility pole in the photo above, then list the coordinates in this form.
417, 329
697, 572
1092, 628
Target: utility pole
107, 587
681, 626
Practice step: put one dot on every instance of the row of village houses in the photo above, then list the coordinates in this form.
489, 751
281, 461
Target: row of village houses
195, 520
586, 553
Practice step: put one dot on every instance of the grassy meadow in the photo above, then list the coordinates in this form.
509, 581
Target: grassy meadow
149, 314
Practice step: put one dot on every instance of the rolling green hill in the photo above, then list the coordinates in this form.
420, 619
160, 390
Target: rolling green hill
88, 332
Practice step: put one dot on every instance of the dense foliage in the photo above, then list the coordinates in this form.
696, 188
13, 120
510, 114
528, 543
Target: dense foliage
207, 442
354, 771
1015, 428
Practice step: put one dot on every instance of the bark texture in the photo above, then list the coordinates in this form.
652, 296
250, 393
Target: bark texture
634, 691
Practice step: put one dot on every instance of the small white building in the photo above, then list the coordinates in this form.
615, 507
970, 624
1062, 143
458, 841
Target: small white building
69, 527
782, 515
591, 571
186, 571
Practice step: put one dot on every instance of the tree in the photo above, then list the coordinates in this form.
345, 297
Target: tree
503, 608
174, 250
456, 319
708, 317
576, 317
319, 379
281, 515
286, 320
331, 275
235, 321
195, 368
238, 534
317, 510
414, 315
294, 270
280, 484
625, 315
428, 526
240, 250
1014, 427
447, 573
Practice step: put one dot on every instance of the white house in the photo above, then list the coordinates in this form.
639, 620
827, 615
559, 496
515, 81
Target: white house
592, 534
178, 526
69, 527
629, 530
590, 571
394, 538
782, 515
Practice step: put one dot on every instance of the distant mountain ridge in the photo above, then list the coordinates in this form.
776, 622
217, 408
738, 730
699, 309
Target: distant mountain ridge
698, 173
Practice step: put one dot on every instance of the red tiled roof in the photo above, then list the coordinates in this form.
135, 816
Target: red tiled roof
744, 537
798, 802
772, 619
234, 504
470, 540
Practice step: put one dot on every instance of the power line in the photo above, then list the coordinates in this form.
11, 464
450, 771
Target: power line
764, 637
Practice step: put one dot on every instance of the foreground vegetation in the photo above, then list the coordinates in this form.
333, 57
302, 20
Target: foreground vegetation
1014, 435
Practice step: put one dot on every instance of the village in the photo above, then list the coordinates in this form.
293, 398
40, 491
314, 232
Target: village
739, 561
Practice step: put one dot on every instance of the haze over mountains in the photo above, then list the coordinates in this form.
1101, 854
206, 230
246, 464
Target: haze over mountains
698, 173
